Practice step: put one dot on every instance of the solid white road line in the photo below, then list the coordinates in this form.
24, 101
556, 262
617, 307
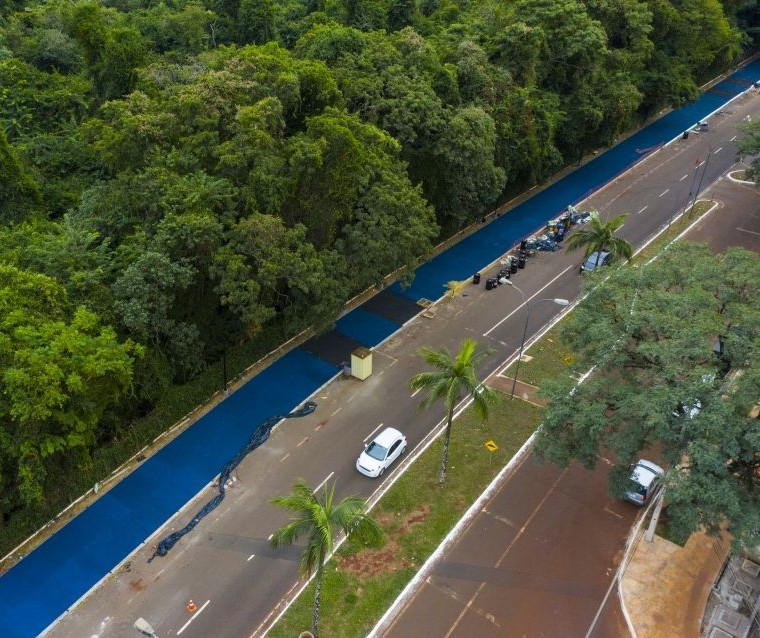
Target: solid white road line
248, 560
744, 230
327, 478
717, 150
603, 604
642, 210
303, 440
665, 192
415, 393
193, 617
284, 457
683, 178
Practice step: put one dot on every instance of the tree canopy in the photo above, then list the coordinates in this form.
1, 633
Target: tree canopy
319, 519
60, 371
453, 379
749, 145
679, 333
188, 172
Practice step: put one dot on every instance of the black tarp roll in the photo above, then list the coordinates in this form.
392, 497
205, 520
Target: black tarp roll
259, 436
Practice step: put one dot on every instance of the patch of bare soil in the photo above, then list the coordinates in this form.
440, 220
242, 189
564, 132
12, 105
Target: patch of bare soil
388, 558
137, 585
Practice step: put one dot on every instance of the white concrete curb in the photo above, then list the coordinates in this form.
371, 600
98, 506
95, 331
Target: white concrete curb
456, 531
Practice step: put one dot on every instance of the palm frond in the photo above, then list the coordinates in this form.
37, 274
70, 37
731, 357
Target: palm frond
600, 236
452, 379
437, 357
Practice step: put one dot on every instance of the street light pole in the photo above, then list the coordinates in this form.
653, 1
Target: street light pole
529, 307
699, 186
522, 345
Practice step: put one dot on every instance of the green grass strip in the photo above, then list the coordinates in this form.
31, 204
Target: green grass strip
416, 514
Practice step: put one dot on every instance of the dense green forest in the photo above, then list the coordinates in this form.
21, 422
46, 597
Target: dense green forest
182, 176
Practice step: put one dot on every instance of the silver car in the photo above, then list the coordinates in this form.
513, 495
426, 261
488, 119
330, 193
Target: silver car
596, 260
646, 476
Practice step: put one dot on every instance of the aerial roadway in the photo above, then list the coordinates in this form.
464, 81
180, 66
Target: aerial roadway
226, 565
546, 574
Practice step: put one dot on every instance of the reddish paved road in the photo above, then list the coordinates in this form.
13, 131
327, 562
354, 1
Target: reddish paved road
508, 576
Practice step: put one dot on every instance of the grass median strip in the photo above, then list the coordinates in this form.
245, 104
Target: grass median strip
416, 514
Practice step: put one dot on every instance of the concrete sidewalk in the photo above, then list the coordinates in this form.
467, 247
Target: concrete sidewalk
665, 589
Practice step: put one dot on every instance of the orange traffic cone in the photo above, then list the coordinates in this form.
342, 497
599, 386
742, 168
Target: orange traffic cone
191, 606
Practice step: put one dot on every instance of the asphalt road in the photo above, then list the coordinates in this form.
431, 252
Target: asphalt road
539, 557
536, 561
225, 565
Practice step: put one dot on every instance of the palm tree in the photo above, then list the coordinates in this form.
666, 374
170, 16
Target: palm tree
453, 378
320, 520
600, 236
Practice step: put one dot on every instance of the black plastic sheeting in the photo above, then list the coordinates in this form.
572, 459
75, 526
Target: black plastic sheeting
259, 436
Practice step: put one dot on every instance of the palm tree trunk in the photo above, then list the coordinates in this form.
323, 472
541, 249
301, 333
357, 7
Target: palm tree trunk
317, 601
445, 454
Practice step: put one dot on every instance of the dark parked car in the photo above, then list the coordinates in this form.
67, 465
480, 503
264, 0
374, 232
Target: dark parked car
596, 260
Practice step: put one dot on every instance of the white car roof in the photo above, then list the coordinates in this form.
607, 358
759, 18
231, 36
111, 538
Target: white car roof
644, 472
387, 437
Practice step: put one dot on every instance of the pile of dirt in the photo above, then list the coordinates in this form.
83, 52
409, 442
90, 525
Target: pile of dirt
388, 558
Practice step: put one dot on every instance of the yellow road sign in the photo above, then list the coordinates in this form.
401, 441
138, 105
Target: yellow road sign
491, 446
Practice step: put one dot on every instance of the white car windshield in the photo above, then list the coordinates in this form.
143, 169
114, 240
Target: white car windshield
376, 451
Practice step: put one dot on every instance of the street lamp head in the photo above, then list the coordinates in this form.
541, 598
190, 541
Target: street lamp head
561, 302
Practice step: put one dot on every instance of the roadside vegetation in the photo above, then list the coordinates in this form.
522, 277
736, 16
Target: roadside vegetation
318, 518
189, 181
675, 343
415, 515
453, 379
629, 405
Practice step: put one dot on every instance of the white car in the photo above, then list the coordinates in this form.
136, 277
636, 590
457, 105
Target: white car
646, 478
689, 409
378, 455
692, 407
